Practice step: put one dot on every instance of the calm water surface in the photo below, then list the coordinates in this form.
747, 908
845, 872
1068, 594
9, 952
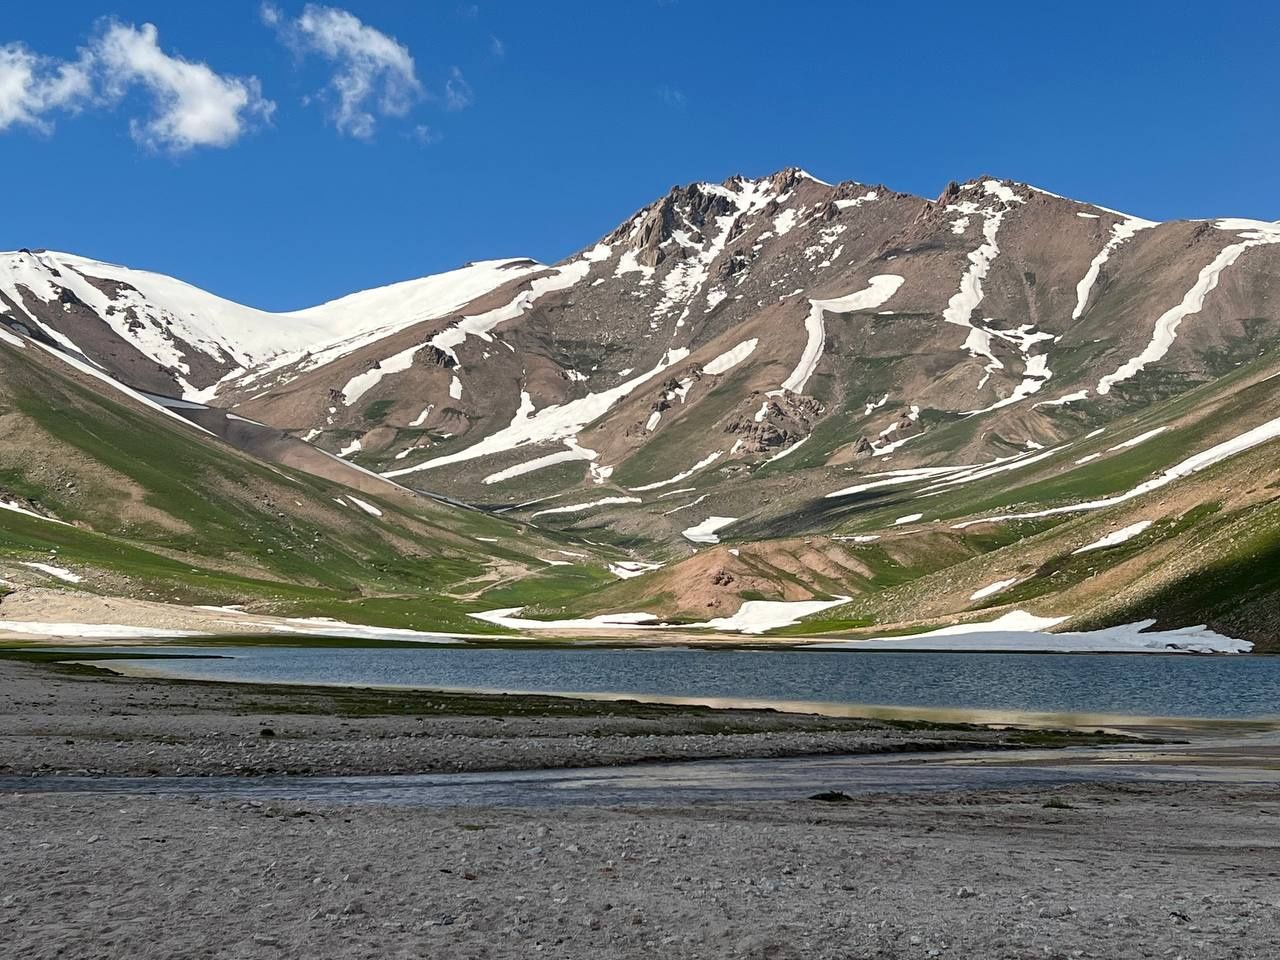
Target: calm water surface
1137, 685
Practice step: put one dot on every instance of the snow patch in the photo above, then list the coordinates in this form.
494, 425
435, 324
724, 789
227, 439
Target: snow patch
1201, 461
761, 616
549, 460
786, 451
731, 358
1165, 331
879, 289
705, 532
1140, 438
556, 422
682, 475
1116, 538
1122, 231
18, 508
1022, 632
62, 573
627, 569
992, 589
591, 504
507, 617
368, 508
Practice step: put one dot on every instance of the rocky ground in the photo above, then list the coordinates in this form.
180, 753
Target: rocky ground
1152, 871
82, 721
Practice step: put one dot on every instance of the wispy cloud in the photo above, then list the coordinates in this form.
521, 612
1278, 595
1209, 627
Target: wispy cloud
192, 104
497, 47
374, 73
425, 135
457, 92
672, 96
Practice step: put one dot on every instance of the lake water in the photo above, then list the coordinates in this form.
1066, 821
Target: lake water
790, 778
1007, 686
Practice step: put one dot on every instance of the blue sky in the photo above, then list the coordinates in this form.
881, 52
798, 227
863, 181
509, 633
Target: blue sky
516, 128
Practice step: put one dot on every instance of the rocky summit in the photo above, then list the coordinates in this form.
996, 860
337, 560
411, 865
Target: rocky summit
903, 412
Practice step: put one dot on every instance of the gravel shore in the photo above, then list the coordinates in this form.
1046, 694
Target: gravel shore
85, 721
1114, 873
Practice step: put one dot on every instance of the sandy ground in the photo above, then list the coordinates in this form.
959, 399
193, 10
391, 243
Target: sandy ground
1123, 873
87, 722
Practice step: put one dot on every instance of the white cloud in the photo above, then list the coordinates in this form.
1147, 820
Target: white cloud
375, 72
194, 105
32, 86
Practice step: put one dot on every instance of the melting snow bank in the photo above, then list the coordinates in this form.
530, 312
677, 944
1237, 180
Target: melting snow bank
878, 291
1022, 632
1116, 538
705, 532
626, 569
576, 507
236, 622
324, 627
754, 616
731, 358
1257, 233
1201, 461
759, 616
92, 631
62, 573
558, 422
1122, 231
507, 617
682, 475
15, 507
992, 589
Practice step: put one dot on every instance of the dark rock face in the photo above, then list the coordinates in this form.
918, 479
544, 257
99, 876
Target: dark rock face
436, 357
787, 419
684, 208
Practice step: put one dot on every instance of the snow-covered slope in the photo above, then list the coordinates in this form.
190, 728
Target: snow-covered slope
193, 333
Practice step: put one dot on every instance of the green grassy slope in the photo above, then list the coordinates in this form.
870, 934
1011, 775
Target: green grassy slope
157, 509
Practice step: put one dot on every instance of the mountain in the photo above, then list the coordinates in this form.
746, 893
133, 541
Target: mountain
778, 389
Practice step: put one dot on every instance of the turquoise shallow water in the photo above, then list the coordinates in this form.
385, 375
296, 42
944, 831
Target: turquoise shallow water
1121, 685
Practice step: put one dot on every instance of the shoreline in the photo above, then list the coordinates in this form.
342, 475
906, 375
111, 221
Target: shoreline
60, 718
